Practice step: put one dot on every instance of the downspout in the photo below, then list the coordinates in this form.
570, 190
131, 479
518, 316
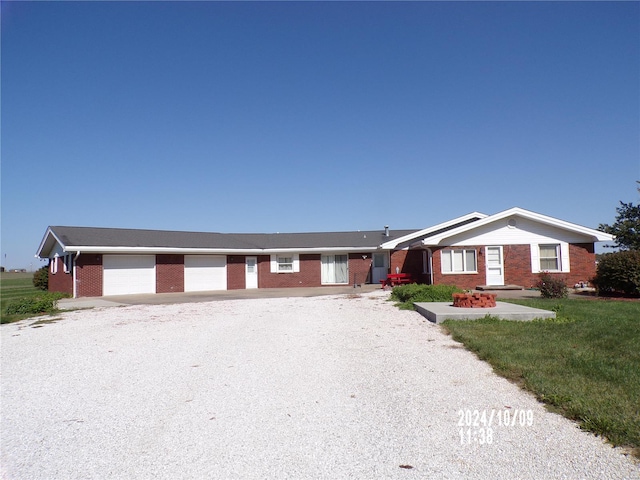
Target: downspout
75, 287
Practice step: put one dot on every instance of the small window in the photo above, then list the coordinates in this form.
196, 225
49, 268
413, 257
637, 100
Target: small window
550, 257
53, 265
459, 261
379, 260
68, 263
285, 264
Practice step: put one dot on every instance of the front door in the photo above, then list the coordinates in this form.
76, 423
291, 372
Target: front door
495, 266
251, 272
379, 267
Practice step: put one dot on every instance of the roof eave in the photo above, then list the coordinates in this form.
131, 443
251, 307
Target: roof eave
392, 244
210, 251
48, 233
590, 234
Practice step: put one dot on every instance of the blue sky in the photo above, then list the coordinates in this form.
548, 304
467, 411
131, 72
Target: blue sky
313, 116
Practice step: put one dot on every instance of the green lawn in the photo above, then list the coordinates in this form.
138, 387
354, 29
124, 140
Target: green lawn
585, 364
15, 286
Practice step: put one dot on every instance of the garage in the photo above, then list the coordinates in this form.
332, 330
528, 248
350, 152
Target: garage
129, 274
205, 272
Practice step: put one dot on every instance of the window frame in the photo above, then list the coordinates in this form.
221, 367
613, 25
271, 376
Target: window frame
323, 279
68, 263
284, 263
465, 270
558, 257
277, 264
53, 264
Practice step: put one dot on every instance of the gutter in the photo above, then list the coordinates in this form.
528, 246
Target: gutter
220, 251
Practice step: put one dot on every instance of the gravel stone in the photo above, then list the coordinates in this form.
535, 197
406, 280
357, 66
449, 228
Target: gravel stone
322, 387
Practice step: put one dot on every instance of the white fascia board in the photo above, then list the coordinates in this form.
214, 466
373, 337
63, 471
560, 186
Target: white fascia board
211, 251
595, 235
48, 233
392, 244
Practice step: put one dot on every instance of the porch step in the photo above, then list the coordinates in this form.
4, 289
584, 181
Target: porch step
499, 287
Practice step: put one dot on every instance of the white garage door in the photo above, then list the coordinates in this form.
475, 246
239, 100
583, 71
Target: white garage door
128, 274
205, 272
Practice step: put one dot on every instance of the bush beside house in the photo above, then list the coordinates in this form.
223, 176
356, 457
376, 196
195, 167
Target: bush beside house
619, 272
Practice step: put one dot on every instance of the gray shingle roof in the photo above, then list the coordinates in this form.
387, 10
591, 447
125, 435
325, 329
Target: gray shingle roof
118, 237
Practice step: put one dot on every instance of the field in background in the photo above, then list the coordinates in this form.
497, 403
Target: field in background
15, 286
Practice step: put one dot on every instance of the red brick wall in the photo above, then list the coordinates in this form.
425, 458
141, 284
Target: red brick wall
583, 263
517, 260
89, 275
359, 268
236, 276
308, 276
517, 267
466, 281
60, 281
169, 273
409, 261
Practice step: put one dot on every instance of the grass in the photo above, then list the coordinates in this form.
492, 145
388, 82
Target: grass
15, 287
585, 364
406, 295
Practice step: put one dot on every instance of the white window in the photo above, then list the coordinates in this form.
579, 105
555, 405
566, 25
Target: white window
335, 269
53, 264
285, 263
459, 261
68, 263
549, 257
379, 260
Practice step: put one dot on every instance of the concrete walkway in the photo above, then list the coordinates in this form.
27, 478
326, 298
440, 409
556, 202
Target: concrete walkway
192, 297
195, 297
438, 312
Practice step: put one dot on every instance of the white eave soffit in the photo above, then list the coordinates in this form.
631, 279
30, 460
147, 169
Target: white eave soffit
210, 251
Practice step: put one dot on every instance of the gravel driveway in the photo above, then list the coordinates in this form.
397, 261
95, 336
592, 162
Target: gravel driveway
323, 387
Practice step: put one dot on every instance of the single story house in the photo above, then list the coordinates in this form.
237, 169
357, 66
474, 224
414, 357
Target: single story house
510, 247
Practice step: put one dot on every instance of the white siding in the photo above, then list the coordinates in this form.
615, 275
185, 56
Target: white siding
205, 272
129, 274
524, 232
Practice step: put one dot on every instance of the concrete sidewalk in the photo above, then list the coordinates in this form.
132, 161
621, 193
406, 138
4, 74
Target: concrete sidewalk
195, 297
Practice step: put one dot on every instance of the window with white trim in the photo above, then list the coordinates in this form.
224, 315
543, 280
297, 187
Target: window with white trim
459, 261
549, 257
68, 263
53, 264
285, 263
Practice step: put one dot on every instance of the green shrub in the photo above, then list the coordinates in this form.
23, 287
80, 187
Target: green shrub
619, 272
41, 278
552, 286
406, 295
44, 303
